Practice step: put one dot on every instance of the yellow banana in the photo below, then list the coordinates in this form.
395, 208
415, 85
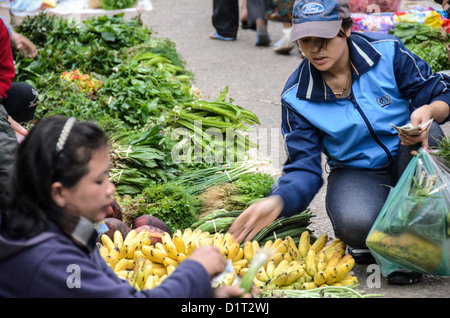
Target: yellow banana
233, 250
311, 267
122, 274
278, 280
262, 275
321, 260
242, 262
170, 250
255, 246
304, 243
258, 283
178, 233
124, 264
129, 237
335, 242
103, 250
150, 282
147, 268
347, 259
237, 269
170, 261
190, 247
309, 285
186, 234
179, 244
243, 271
319, 278
349, 280
270, 268
292, 248
268, 244
170, 269
319, 243
340, 248
342, 271
154, 254
123, 251
277, 258
166, 238
293, 276
239, 255
181, 257
195, 234
227, 279
282, 266
282, 247
330, 275
106, 241
113, 256
248, 250
217, 240
118, 238
159, 271
136, 255
333, 260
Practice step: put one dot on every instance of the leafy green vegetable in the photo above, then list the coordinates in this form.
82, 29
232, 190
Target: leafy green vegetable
169, 202
433, 52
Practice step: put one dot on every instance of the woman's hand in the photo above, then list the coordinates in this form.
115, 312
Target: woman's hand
256, 217
438, 110
420, 116
210, 258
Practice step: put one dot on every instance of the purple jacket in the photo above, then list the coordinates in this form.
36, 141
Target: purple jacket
52, 265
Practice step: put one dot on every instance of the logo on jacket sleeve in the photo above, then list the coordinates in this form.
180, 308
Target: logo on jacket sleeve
384, 100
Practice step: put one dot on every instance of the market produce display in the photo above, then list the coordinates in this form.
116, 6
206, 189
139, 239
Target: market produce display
146, 257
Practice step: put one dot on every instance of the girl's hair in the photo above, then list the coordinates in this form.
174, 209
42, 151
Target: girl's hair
25, 199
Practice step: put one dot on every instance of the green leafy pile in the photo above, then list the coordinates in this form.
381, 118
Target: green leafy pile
169, 202
117, 4
143, 79
433, 52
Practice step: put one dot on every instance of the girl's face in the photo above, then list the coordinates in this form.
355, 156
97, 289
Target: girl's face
91, 196
326, 54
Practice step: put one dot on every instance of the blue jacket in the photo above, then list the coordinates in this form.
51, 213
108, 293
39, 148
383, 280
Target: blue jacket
45, 266
389, 82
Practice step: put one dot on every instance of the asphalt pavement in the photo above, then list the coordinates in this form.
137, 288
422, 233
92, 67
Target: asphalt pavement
255, 77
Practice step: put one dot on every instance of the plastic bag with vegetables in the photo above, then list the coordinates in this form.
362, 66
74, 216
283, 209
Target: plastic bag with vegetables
412, 230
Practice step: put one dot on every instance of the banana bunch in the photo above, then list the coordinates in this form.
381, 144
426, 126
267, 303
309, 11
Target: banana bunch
125, 257
306, 265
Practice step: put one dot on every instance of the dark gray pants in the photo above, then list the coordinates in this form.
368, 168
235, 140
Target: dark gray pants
355, 197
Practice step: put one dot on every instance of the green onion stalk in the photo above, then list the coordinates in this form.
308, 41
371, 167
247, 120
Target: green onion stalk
258, 260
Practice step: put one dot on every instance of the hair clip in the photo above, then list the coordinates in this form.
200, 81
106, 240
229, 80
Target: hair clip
64, 134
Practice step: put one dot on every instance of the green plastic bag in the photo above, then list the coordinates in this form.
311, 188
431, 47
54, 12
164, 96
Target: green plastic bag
412, 230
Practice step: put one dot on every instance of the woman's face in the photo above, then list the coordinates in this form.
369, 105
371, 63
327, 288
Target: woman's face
325, 54
91, 196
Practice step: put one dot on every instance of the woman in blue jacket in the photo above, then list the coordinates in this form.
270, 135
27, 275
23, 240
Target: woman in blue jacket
340, 101
59, 188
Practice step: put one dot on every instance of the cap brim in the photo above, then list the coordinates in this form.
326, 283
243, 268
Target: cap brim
319, 29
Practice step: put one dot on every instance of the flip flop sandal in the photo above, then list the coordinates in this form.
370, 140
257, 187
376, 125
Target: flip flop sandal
216, 36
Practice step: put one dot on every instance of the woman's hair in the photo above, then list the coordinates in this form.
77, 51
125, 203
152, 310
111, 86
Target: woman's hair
25, 200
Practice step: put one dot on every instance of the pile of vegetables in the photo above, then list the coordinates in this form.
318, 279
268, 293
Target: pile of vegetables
426, 41
137, 89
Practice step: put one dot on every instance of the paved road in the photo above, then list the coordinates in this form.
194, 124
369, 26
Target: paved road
255, 77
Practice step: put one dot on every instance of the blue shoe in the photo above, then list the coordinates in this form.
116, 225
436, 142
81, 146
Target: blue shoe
216, 36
